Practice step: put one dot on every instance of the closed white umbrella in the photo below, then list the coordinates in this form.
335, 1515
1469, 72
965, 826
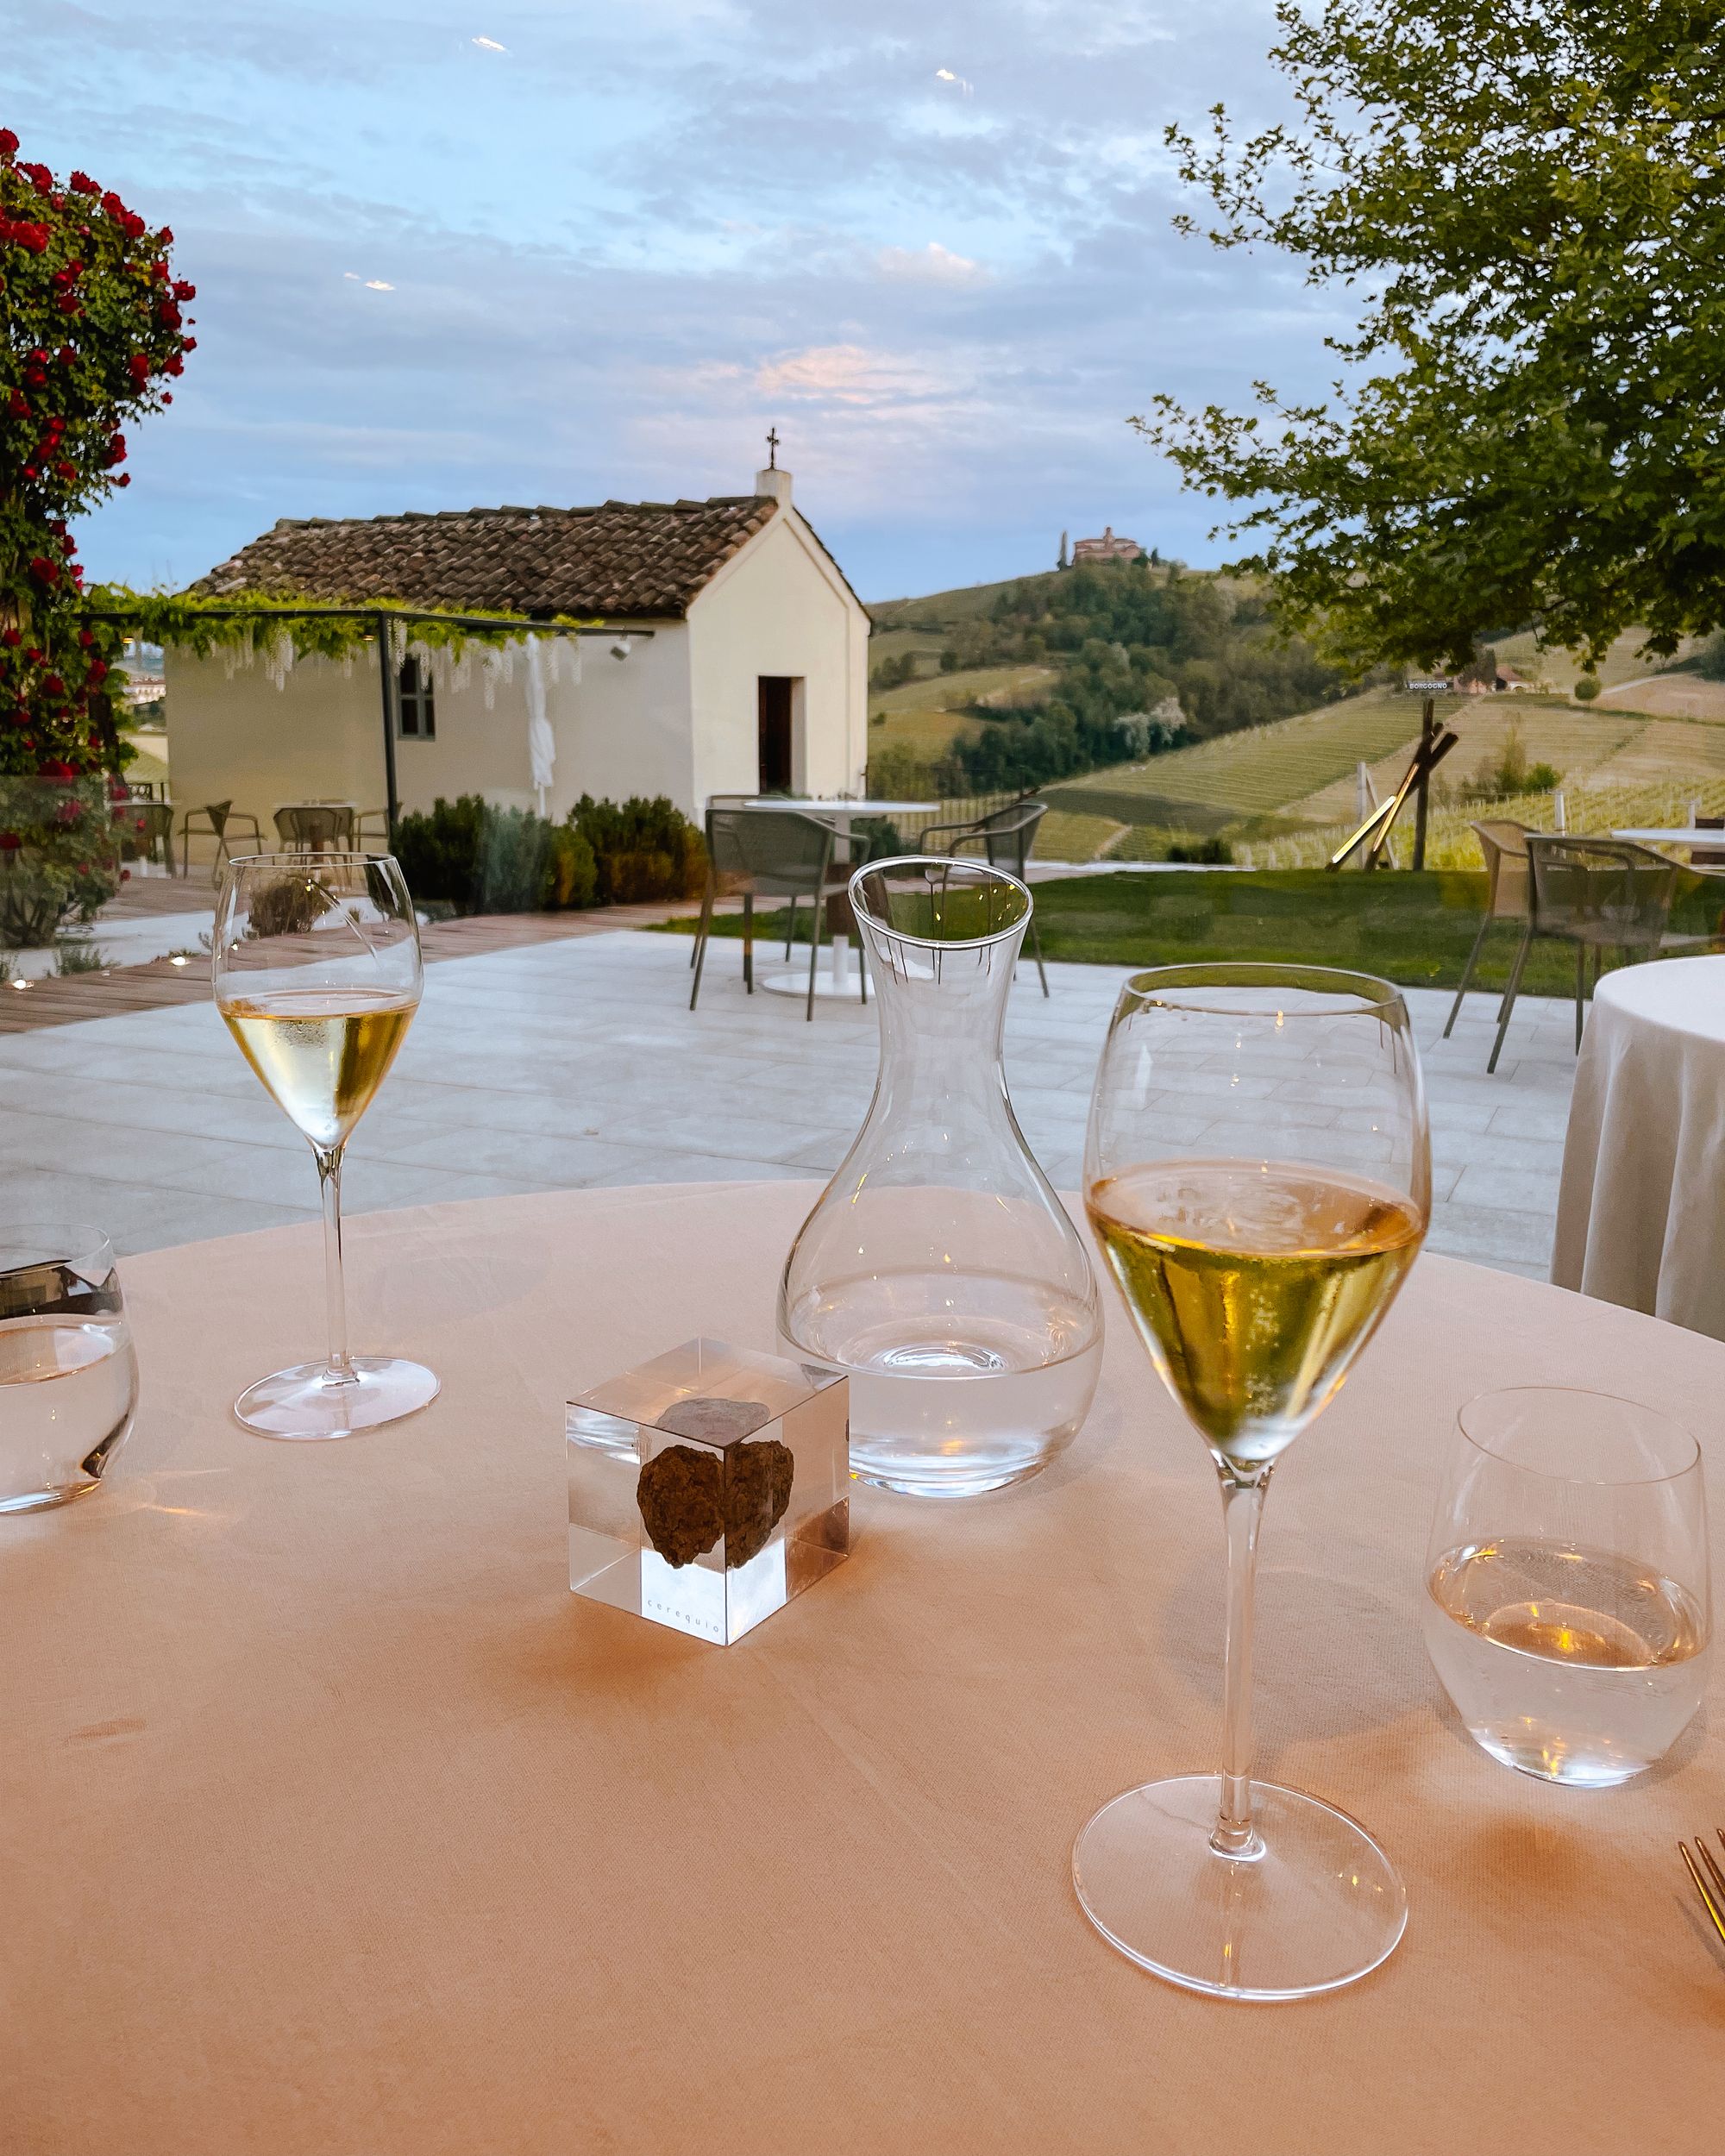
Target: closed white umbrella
542, 742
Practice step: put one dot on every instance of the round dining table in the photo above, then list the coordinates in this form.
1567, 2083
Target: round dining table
332, 1824
1641, 1204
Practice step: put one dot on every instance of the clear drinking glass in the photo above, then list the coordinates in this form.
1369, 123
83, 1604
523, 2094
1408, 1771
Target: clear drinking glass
1257, 1260
317, 972
1568, 1608
939, 1270
68, 1377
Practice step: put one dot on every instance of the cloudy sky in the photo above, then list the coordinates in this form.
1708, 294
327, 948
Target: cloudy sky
452, 252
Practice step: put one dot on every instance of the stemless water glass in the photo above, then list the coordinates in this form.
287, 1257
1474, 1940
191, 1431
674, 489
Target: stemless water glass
317, 972
1256, 1259
68, 1378
1568, 1607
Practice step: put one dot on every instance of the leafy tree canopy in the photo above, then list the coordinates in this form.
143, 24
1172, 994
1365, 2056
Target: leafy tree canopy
1528, 424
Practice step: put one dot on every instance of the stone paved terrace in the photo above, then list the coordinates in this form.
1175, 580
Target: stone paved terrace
577, 1061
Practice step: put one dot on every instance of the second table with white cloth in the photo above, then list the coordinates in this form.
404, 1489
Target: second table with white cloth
1641, 1207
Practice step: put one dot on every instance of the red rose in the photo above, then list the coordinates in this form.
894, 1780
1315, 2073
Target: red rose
64, 471
10, 638
175, 365
183, 291
18, 405
55, 769
8, 145
53, 685
141, 369
112, 204
124, 480
99, 671
43, 571
9, 841
66, 355
82, 184
86, 637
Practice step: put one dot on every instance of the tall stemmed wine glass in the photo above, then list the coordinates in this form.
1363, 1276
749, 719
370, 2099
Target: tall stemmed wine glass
317, 972
1257, 1260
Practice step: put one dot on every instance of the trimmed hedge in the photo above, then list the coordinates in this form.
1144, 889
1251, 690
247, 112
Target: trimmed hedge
484, 860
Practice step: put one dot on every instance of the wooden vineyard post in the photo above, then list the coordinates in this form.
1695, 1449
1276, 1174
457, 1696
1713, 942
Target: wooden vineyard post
1428, 727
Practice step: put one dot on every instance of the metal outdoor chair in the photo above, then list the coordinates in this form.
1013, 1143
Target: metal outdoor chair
1505, 847
219, 817
378, 819
769, 854
738, 800
1007, 835
316, 827
1598, 894
153, 823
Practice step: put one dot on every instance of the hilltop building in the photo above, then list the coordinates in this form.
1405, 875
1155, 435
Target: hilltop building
729, 655
1108, 548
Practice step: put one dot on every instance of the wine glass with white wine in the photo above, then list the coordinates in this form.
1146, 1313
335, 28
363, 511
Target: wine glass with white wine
317, 972
1256, 1259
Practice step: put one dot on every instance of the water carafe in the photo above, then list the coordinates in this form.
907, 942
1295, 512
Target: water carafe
939, 1270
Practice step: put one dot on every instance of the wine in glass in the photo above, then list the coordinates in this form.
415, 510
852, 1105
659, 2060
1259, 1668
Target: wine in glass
1257, 1261
317, 974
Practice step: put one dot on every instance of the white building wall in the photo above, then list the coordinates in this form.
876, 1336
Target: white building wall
243, 739
624, 728
779, 607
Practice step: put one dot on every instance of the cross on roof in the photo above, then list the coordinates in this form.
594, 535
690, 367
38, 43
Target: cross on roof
772, 448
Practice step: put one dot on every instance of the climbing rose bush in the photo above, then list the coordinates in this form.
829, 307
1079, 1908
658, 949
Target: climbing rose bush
92, 331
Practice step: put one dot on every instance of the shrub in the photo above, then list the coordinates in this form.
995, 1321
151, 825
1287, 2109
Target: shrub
478, 859
1207, 853
439, 852
571, 872
1587, 688
59, 857
642, 849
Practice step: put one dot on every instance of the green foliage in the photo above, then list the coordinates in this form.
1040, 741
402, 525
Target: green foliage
1531, 193
1145, 660
1205, 853
90, 331
59, 857
1709, 662
1511, 775
642, 851
571, 872
893, 673
1587, 688
477, 859
77, 954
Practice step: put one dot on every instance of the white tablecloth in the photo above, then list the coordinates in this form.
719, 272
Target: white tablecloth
332, 1824
1642, 1210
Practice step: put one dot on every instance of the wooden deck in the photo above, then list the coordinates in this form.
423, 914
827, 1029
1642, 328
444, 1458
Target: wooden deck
25, 1006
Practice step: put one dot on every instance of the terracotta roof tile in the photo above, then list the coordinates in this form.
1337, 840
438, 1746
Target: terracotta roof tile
623, 560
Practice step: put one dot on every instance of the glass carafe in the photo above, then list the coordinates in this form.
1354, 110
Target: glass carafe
939, 1271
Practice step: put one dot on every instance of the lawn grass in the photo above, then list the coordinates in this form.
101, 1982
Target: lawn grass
1413, 930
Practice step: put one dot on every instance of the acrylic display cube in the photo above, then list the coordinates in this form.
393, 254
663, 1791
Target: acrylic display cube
708, 1487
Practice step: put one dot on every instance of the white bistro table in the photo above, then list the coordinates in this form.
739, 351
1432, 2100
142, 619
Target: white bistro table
1684, 834
792, 981
1640, 1217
